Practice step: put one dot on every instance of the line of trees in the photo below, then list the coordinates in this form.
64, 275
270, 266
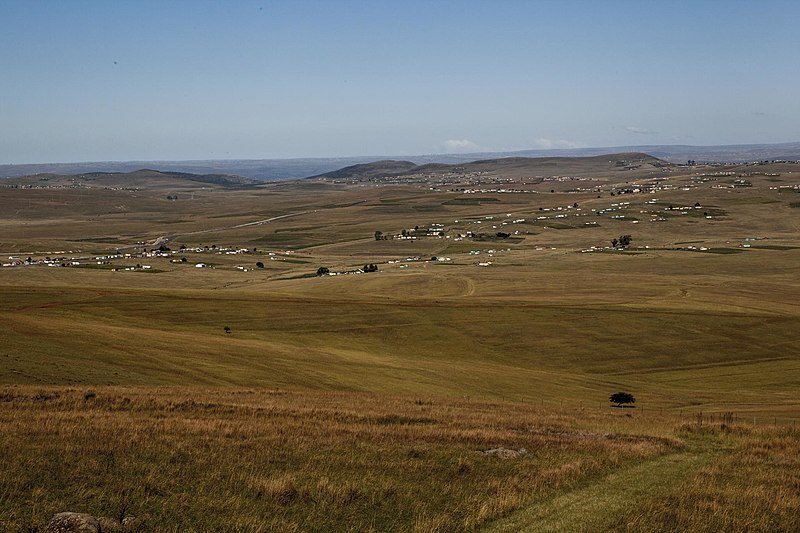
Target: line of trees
623, 242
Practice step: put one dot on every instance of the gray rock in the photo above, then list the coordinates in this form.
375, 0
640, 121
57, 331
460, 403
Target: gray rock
505, 453
73, 523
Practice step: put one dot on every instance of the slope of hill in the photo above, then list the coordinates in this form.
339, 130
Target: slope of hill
507, 166
734, 153
140, 178
386, 167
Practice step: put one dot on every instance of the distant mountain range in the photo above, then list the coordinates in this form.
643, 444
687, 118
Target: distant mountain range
276, 169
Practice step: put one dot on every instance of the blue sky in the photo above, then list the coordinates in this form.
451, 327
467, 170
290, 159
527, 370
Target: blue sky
137, 80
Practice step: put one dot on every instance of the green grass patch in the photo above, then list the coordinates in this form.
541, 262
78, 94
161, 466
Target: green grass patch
773, 247
471, 200
721, 251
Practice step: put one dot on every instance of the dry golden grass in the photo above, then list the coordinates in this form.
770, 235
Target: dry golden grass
755, 487
201, 459
221, 459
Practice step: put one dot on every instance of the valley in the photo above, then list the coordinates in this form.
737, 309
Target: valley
509, 299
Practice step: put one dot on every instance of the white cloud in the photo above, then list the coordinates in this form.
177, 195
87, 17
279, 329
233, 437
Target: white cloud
549, 144
640, 131
460, 145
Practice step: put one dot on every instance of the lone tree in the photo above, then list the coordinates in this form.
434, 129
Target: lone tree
323, 271
259, 264
622, 398
227, 329
378, 235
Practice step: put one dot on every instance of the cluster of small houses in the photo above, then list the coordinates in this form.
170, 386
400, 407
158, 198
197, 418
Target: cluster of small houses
434, 230
325, 271
502, 190
159, 252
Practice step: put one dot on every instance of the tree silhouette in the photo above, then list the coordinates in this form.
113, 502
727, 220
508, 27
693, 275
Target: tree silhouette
621, 398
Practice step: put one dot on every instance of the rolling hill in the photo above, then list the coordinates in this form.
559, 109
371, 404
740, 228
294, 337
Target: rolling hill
142, 178
385, 167
507, 166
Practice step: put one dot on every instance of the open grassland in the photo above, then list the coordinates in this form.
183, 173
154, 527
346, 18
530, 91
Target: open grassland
204, 459
570, 327
251, 394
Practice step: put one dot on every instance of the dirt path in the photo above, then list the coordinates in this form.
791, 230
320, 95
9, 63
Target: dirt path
596, 507
237, 226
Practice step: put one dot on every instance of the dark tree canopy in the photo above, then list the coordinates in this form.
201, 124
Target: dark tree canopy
323, 271
621, 398
623, 242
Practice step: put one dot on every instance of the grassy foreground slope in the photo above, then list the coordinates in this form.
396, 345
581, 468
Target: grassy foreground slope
205, 459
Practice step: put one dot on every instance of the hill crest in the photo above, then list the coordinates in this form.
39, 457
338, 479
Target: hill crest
550, 164
138, 178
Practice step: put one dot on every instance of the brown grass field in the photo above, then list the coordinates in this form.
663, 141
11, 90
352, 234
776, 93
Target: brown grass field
363, 401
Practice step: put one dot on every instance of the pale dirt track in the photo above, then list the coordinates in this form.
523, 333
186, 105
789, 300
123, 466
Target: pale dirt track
596, 506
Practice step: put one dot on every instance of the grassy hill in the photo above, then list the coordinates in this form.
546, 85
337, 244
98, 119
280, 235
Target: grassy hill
143, 178
511, 167
554, 310
370, 170
500, 317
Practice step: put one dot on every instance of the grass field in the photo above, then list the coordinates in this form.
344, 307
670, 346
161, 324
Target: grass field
203, 459
361, 401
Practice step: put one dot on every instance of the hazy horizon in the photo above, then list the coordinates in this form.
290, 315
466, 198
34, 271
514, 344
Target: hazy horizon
585, 151
182, 81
